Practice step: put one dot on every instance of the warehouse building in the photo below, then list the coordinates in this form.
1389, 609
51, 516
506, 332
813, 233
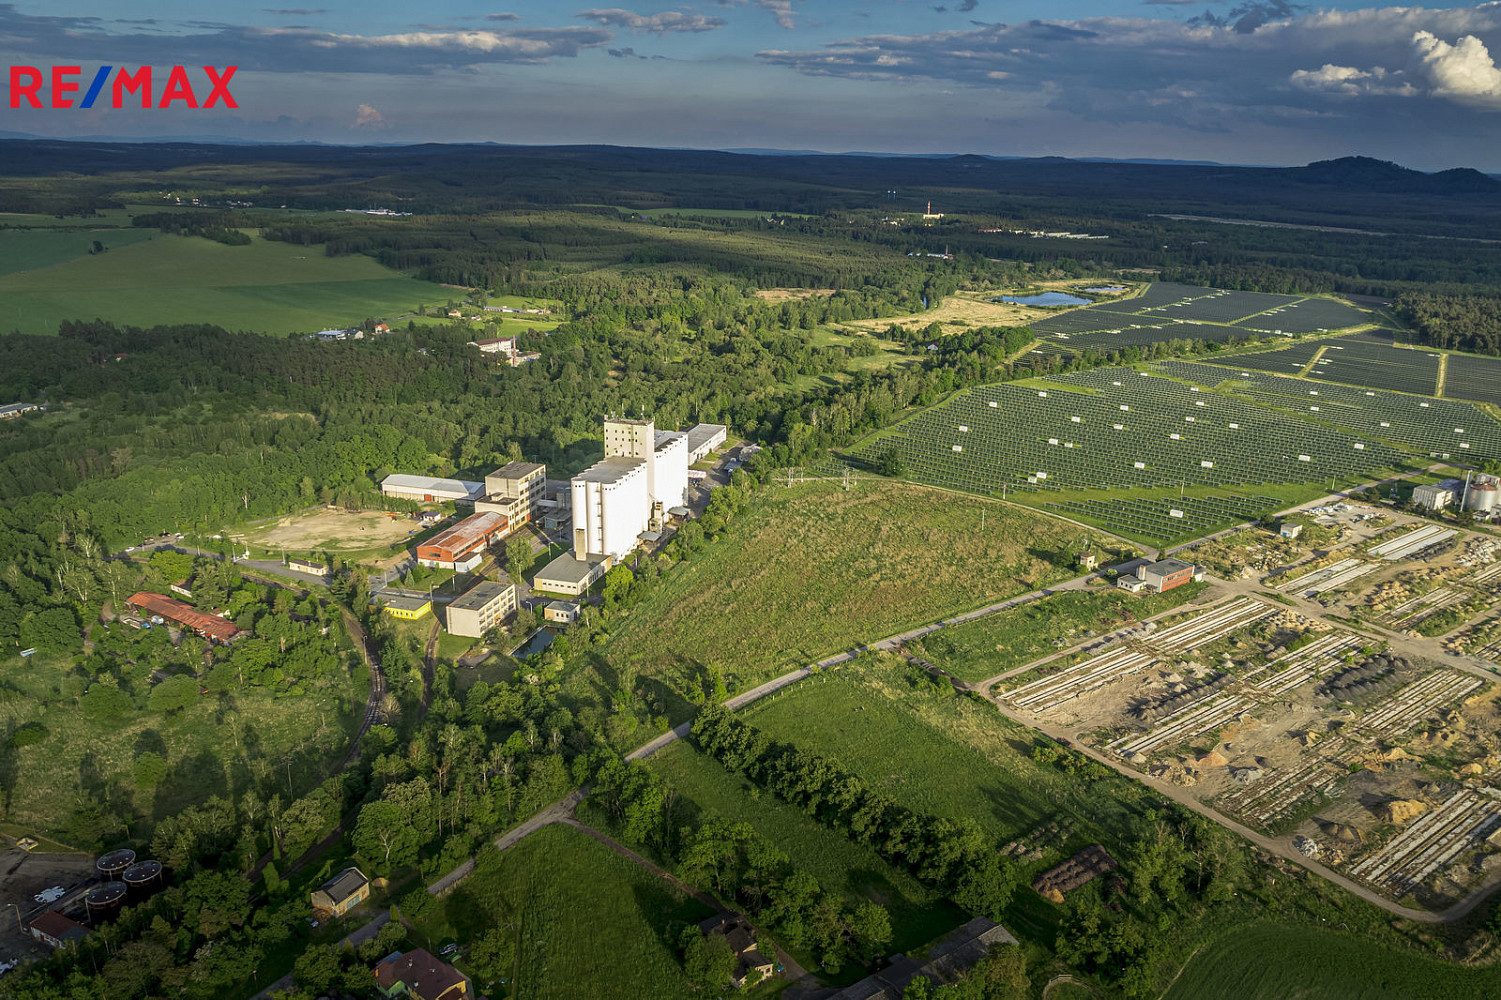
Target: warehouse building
462, 546
211, 627
515, 491
1165, 575
484, 606
704, 440
432, 490
567, 575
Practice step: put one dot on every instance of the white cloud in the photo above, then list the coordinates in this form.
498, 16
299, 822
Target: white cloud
366, 116
657, 24
1463, 71
781, 10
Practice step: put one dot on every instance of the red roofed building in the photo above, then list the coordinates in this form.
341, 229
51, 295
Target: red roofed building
56, 930
462, 547
207, 625
421, 976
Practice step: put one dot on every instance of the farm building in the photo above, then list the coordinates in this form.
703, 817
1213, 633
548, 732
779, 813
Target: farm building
420, 976
11, 410
408, 608
505, 346
482, 607
514, 490
55, 930
704, 440
1165, 575
310, 568
429, 489
567, 575
461, 547
1436, 496
561, 612
209, 626
340, 894
741, 937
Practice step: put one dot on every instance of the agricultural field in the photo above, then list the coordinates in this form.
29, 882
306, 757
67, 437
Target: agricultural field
991, 645
587, 922
32, 249
866, 562
265, 287
918, 915
1270, 961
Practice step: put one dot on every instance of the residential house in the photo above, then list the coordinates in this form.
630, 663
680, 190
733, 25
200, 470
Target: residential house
419, 975
340, 894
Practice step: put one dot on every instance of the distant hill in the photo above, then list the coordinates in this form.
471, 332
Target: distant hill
1380, 175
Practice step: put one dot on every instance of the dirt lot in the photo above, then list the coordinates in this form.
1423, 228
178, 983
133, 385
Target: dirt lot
971, 308
336, 531
788, 294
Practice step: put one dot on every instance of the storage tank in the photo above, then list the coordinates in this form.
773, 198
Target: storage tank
105, 899
143, 876
113, 864
1484, 497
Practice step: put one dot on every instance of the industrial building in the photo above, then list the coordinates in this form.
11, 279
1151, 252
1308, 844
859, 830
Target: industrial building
429, 489
611, 507
704, 440
567, 575
209, 626
12, 410
1166, 574
481, 608
1437, 496
407, 608
515, 491
310, 568
461, 547
55, 930
1483, 495
340, 894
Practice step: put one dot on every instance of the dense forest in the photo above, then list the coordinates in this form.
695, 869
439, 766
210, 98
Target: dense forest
1454, 322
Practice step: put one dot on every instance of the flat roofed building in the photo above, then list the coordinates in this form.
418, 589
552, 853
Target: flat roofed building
567, 575
430, 489
561, 612
420, 976
207, 625
461, 547
496, 345
611, 507
1434, 496
669, 482
481, 608
10, 410
515, 490
310, 568
1166, 574
408, 608
704, 440
340, 894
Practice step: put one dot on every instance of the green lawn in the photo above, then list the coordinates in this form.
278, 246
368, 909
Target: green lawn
918, 915
33, 249
590, 923
996, 643
1274, 961
814, 569
266, 287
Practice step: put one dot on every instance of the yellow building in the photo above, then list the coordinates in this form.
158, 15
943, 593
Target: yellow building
408, 608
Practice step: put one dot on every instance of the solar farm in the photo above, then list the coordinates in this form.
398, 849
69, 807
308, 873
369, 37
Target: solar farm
1168, 311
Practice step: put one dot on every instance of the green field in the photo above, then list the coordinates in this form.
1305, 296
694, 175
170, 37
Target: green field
588, 923
918, 915
813, 569
991, 645
31, 250
265, 287
205, 753
1274, 962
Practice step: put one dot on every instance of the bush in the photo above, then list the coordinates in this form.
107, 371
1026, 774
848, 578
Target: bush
29, 734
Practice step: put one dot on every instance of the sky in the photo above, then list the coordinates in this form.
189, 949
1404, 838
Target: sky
1252, 81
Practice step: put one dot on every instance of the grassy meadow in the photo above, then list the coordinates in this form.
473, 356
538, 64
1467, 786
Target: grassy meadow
215, 746
588, 922
24, 250
265, 287
996, 643
814, 569
918, 915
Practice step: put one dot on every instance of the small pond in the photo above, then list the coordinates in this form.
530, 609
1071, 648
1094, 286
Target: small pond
1046, 299
538, 641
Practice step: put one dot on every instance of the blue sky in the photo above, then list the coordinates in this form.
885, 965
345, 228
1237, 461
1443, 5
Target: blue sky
1260, 81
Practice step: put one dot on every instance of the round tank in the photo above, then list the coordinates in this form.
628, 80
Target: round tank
114, 863
1483, 497
143, 875
105, 898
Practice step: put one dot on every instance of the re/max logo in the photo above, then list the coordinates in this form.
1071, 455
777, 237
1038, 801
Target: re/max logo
26, 84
